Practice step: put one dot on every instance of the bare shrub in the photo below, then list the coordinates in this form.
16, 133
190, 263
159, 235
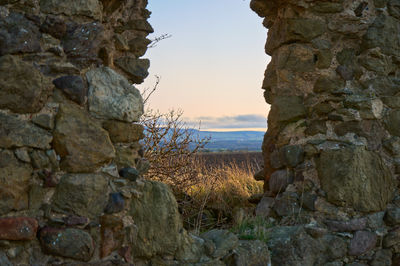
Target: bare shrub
170, 146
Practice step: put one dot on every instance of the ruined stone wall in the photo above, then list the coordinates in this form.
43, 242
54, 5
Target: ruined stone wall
332, 151
67, 127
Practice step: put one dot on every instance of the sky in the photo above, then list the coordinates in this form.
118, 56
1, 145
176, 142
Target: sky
213, 64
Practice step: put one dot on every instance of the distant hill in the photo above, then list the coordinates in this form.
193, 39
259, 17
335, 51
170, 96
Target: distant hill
232, 140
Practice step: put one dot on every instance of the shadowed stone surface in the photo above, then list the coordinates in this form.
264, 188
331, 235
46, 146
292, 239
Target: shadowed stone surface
223, 240
362, 242
22, 95
71, 243
136, 68
81, 43
18, 35
74, 87
81, 194
18, 133
14, 183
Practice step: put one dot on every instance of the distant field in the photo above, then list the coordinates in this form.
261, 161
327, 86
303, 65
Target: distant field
253, 160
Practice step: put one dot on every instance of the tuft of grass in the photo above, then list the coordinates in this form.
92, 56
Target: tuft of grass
220, 189
253, 228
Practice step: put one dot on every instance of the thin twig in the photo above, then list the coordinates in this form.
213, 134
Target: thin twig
158, 39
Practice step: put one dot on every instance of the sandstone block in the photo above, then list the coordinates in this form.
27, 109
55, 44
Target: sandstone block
356, 177
136, 68
287, 109
138, 46
153, 211
45, 121
17, 133
81, 194
82, 143
22, 95
14, 183
291, 30
121, 132
88, 8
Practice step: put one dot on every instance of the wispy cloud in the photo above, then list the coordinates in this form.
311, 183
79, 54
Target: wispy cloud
229, 122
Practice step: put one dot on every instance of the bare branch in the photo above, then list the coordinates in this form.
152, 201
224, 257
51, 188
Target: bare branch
146, 94
158, 39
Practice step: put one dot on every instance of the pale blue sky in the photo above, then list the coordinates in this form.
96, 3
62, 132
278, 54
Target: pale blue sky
213, 64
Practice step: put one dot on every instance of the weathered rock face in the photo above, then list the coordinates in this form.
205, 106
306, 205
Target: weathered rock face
91, 8
356, 177
18, 34
111, 96
22, 95
82, 143
331, 150
70, 243
66, 113
156, 208
15, 132
14, 179
81, 194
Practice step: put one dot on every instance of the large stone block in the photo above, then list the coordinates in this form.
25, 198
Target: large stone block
287, 109
81, 194
383, 33
154, 212
292, 30
81, 43
88, 8
15, 132
136, 68
22, 95
111, 96
356, 178
392, 122
14, 183
124, 132
82, 143
284, 242
18, 35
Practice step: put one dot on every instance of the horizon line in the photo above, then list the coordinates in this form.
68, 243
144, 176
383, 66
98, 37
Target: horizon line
255, 129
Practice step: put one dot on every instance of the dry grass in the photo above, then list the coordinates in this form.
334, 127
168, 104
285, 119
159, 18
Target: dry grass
220, 189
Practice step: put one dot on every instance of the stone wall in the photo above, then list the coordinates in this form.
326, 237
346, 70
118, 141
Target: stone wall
332, 154
69, 152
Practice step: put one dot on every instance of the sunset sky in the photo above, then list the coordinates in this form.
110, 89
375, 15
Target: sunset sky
213, 65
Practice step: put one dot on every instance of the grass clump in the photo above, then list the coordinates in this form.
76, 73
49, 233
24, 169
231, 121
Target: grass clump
252, 228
